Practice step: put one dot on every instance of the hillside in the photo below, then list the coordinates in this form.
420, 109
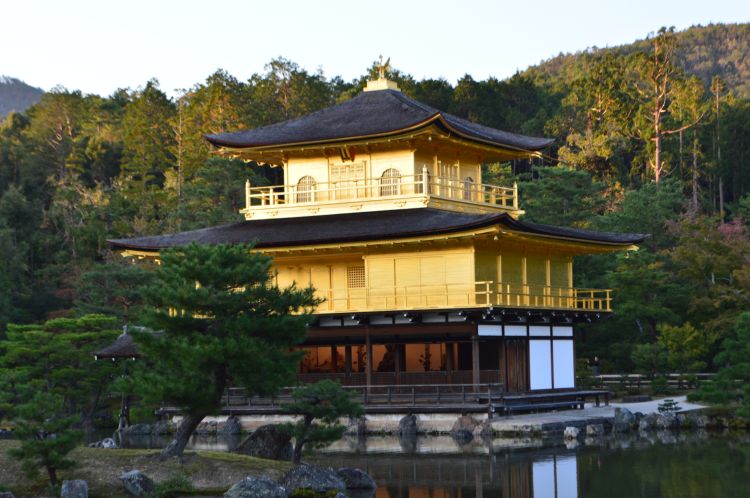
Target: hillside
15, 95
706, 51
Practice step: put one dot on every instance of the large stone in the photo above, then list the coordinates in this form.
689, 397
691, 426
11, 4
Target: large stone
356, 478
106, 443
624, 416
666, 421
207, 428
595, 430
74, 489
463, 429
407, 426
138, 430
647, 423
408, 443
696, 420
231, 427
267, 441
571, 433
306, 478
137, 483
6, 494
256, 487
162, 428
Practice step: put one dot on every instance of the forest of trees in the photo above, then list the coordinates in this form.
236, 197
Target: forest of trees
645, 142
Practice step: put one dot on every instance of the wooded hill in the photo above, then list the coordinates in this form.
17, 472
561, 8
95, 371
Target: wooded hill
15, 95
78, 169
705, 51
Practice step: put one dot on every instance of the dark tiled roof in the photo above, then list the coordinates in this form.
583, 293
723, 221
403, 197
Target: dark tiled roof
353, 227
123, 347
376, 113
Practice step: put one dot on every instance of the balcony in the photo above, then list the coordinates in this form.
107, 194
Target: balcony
461, 296
308, 198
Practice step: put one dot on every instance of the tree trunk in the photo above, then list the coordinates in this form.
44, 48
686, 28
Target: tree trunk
695, 175
297, 453
657, 156
52, 473
177, 445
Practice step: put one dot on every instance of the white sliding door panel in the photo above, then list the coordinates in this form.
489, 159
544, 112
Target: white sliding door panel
563, 358
540, 364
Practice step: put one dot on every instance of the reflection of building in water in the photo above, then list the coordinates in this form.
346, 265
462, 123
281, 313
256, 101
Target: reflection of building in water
555, 478
509, 475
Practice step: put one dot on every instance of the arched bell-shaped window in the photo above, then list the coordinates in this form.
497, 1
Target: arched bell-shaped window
468, 188
390, 182
306, 189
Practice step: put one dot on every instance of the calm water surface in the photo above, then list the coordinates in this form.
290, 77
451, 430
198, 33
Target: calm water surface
660, 466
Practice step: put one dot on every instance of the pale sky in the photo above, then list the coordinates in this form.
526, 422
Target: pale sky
98, 46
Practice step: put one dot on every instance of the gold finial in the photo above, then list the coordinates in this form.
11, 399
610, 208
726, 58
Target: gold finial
382, 68
382, 83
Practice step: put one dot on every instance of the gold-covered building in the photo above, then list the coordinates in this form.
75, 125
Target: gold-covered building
428, 275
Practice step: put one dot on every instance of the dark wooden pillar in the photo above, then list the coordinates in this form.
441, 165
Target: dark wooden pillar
334, 359
398, 356
348, 359
368, 362
475, 360
449, 361
348, 363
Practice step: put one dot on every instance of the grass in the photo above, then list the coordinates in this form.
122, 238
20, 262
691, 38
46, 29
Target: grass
208, 472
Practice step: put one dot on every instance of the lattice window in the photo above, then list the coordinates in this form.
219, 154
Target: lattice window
306, 189
347, 172
345, 178
390, 182
355, 276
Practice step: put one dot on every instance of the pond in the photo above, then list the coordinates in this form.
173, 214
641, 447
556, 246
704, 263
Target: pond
663, 465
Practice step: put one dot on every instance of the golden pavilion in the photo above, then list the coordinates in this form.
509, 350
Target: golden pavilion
428, 275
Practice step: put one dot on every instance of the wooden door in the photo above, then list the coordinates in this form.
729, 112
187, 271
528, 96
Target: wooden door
516, 365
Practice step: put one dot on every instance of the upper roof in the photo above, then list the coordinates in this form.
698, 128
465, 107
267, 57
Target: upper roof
355, 227
371, 114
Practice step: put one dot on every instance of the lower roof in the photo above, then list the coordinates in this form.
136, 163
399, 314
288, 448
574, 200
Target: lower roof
355, 227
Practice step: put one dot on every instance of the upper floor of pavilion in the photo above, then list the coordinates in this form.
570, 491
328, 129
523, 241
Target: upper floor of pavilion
380, 150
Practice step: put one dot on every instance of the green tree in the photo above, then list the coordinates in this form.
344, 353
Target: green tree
49, 382
687, 347
148, 138
46, 435
284, 91
650, 359
319, 407
561, 196
597, 118
221, 322
57, 357
113, 288
732, 380
712, 256
211, 107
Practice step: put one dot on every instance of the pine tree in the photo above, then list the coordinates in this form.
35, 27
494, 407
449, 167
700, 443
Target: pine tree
220, 322
49, 383
319, 407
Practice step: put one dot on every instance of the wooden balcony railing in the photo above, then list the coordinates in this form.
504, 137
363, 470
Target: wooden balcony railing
447, 296
380, 188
